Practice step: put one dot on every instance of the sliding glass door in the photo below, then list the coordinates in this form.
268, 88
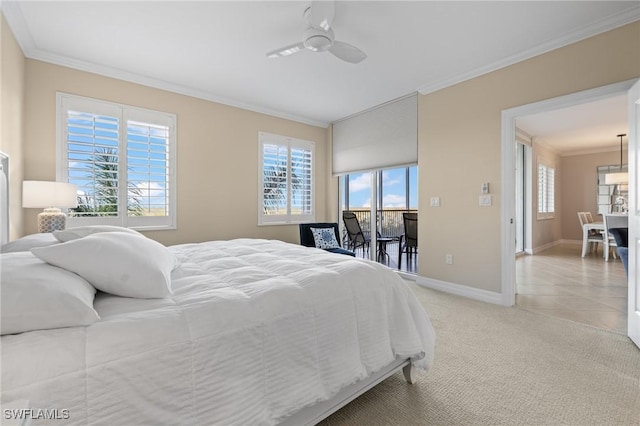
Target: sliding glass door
384, 195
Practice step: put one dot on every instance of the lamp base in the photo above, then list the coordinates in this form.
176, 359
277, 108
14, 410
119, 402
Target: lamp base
51, 219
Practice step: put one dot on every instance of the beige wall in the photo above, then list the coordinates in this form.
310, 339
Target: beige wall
12, 86
546, 231
578, 186
217, 171
460, 147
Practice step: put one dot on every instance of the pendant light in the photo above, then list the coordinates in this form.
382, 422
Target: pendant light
620, 177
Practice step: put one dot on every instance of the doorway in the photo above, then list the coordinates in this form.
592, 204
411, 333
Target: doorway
384, 195
523, 198
509, 148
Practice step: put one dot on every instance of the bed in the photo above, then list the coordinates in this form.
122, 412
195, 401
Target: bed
247, 331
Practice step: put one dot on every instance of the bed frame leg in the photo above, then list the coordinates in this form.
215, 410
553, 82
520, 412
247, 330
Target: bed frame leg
409, 373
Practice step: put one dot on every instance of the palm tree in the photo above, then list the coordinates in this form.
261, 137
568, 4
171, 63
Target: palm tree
104, 200
275, 185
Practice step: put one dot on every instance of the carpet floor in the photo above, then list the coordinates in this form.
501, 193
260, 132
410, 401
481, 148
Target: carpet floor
507, 366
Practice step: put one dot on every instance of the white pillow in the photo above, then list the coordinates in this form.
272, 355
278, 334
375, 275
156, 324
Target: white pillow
38, 296
28, 242
84, 231
119, 263
325, 238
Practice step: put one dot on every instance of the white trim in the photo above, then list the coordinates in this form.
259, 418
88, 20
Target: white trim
461, 290
509, 116
524, 138
125, 113
407, 276
588, 151
544, 247
291, 143
604, 25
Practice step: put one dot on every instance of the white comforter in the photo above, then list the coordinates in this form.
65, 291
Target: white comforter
255, 331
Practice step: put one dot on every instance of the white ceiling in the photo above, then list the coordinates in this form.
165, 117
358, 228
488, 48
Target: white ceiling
586, 128
216, 50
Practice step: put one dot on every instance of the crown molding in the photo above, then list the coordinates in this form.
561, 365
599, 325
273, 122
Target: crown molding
599, 27
587, 151
18, 25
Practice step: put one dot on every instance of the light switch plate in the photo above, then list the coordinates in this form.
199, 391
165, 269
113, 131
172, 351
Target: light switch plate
435, 201
485, 200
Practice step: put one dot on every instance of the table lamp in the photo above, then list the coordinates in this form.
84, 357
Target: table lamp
51, 196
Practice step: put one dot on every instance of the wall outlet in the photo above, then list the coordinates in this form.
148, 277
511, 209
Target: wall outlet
435, 201
448, 259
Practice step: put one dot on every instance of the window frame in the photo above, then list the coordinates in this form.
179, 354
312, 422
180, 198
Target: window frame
287, 218
124, 113
546, 194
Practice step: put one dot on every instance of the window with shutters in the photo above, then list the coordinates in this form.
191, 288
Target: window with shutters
122, 159
546, 190
286, 181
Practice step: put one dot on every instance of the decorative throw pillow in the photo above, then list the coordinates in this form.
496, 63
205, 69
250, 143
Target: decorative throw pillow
84, 231
39, 296
325, 238
116, 262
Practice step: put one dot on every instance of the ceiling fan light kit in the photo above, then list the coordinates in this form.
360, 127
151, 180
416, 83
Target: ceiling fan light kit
318, 40
319, 36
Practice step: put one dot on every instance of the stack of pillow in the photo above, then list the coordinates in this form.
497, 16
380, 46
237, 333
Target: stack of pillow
50, 280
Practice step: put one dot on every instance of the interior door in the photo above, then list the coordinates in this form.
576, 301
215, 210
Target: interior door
634, 214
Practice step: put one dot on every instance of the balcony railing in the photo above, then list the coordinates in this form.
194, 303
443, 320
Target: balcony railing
389, 223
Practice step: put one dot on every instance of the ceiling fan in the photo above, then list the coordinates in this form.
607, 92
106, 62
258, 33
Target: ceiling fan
319, 36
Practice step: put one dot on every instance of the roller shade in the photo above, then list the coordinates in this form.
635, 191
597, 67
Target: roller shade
383, 137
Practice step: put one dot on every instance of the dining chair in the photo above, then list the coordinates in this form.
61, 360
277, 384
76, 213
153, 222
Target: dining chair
356, 236
591, 237
612, 221
408, 240
621, 236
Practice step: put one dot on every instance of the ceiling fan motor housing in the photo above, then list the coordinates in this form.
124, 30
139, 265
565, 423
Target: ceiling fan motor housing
318, 40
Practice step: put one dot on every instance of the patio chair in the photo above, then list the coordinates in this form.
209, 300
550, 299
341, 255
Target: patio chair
408, 240
308, 239
356, 237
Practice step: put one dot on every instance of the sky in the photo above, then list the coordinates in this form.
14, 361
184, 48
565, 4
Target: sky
393, 188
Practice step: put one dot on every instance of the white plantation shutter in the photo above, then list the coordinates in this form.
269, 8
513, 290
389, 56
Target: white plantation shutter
275, 160
301, 195
286, 180
92, 145
122, 158
546, 191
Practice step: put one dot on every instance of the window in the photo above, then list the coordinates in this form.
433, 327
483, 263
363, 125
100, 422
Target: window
286, 180
546, 190
122, 159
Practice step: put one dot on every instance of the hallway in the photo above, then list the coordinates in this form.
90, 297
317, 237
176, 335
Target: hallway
560, 283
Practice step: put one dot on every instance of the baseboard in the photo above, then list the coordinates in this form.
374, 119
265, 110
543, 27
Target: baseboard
572, 242
461, 290
553, 244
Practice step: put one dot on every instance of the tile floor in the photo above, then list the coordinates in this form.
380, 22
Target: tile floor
560, 283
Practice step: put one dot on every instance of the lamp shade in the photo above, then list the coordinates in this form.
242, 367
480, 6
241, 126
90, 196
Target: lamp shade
616, 178
41, 194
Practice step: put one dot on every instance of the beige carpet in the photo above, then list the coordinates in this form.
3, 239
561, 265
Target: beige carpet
507, 366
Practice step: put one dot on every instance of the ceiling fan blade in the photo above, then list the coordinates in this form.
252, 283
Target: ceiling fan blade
347, 52
321, 14
286, 51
